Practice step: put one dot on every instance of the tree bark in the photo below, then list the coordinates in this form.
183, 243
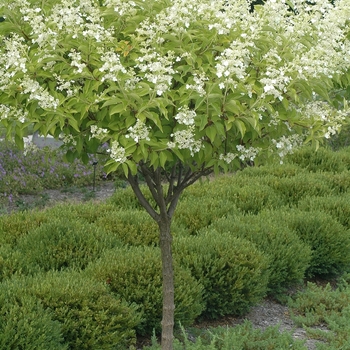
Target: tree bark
168, 283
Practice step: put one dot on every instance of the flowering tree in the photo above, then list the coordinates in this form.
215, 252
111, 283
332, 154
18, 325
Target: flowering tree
176, 88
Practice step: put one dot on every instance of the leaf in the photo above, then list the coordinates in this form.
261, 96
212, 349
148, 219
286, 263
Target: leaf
117, 109
162, 159
240, 126
211, 132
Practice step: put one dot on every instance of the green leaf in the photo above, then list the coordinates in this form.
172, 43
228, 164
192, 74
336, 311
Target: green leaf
117, 109
211, 132
240, 126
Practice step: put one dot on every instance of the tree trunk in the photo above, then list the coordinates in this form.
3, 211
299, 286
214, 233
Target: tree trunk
168, 283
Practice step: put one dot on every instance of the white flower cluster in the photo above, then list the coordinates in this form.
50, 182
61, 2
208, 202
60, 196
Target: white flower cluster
247, 153
38, 93
111, 65
85, 18
76, 61
68, 139
158, 69
15, 57
140, 131
199, 84
11, 112
185, 116
228, 157
64, 85
121, 7
117, 153
275, 83
233, 62
98, 133
287, 145
184, 139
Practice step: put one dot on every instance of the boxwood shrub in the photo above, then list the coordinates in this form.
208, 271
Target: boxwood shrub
131, 226
288, 256
60, 244
329, 240
26, 324
293, 189
90, 317
232, 270
336, 206
134, 273
323, 159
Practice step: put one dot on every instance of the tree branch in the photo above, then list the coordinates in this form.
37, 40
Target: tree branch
143, 201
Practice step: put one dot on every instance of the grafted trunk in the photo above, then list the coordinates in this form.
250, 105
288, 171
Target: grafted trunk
168, 283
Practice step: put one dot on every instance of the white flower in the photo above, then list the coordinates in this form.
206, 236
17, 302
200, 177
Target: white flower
117, 153
140, 131
184, 139
185, 116
98, 133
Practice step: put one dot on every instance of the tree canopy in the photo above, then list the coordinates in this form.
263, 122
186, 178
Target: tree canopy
205, 83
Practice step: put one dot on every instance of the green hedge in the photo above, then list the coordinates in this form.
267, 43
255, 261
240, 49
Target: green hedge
131, 226
134, 273
232, 270
293, 189
26, 324
288, 256
59, 244
329, 240
89, 316
323, 159
336, 206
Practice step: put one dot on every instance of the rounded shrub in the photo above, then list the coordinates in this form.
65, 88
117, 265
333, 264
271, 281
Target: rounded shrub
89, 315
288, 256
336, 206
131, 226
26, 324
302, 185
197, 212
323, 159
278, 170
329, 240
61, 244
135, 274
16, 225
89, 212
232, 270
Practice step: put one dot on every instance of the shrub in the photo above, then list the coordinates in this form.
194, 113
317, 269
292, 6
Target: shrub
90, 317
135, 274
15, 225
197, 212
288, 256
25, 324
240, 337
125, 198
131, 226
315, 161
328, 239
89, 212
319, 305
297, 187
277, 170
232, 270
61, 244
336, 206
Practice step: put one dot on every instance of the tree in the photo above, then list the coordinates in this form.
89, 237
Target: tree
177, 89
